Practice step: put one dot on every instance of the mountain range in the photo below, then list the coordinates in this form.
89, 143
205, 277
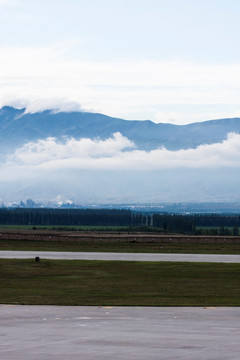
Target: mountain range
18, 127
108, 172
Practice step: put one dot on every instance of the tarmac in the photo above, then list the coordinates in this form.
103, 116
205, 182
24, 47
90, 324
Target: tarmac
120, 256
117, 333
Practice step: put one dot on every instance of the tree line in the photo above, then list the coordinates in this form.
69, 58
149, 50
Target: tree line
198, 224
71, 217
191, 224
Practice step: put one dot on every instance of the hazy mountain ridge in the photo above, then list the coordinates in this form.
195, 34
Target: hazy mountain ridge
107, 171
18, 128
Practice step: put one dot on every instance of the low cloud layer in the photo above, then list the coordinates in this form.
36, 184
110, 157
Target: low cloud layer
114, 171
119, 153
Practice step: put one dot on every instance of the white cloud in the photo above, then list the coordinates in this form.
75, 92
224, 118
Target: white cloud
76, 152
37, 105
113, 171
118, 153
183, 117
121, 88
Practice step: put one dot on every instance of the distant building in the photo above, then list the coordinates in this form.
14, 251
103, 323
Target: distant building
30, 203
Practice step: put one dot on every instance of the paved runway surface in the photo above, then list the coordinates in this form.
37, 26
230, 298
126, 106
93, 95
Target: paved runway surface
120, 256
114, 333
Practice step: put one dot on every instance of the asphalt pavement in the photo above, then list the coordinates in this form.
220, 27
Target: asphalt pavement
107, 333
120, 256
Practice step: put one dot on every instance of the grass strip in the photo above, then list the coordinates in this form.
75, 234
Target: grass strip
68, 227
79, 282
188, 248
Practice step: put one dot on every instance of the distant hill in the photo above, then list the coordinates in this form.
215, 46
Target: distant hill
18, 128
105, 185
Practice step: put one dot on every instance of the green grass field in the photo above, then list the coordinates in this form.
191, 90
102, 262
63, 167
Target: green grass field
120, 247
57, 282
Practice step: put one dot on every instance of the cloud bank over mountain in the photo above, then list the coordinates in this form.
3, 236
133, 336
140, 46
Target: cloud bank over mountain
118, 153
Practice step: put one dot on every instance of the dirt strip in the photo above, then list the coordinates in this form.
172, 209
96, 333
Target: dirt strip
113, 237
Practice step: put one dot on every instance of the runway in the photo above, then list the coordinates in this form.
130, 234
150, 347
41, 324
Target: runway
120, 256
131, 333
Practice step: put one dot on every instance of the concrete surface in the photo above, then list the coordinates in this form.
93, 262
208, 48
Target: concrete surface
120, 256
87, 333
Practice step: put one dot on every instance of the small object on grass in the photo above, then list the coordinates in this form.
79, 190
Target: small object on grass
37, 259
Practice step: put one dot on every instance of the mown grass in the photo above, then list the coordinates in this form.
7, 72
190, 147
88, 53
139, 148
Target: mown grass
31, 245
62, 282
130, 229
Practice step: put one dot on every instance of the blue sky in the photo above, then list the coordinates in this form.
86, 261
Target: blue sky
168, 61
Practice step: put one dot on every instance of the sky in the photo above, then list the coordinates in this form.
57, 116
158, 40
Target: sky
167, 61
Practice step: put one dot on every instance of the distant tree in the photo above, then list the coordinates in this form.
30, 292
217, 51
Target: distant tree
235, 231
